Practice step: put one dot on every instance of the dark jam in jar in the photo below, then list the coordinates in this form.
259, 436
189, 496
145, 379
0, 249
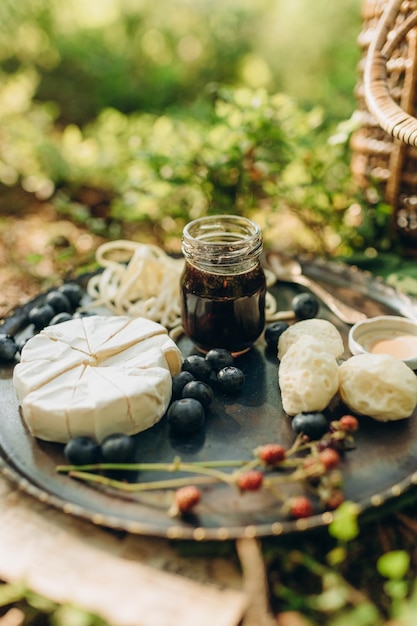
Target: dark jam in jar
223, 311
223, 285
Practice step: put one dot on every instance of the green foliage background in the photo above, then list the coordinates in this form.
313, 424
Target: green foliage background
174, 109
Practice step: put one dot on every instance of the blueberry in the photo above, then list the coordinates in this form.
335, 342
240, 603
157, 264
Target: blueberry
198, 366
8, 347
178, 383
231, 379
82, 450
117, 448
273, 332
58, 301
219, 358
60, 317
314, 425
186, 416
21, 344
305, 306
73, 292
200, 391
40, 316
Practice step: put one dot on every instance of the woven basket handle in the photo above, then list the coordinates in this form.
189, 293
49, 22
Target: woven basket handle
390, 116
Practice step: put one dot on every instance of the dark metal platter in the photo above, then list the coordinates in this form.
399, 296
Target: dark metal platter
382, 467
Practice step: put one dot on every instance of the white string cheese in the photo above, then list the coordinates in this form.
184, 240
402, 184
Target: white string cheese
139, 280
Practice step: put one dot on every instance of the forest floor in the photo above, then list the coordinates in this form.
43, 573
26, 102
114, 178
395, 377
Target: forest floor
38, 248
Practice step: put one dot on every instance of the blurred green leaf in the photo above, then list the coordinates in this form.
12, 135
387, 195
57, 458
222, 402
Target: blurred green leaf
365, 614
394, 564
344, 526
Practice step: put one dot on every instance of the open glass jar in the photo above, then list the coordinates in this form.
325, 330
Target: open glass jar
223, 284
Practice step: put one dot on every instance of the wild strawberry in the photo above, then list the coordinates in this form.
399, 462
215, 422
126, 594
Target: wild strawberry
349, 423
300, 506
330, 458
186, 498
271, 453
250, 481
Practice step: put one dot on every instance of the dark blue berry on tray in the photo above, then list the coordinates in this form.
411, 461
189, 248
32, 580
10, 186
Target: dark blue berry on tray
60, 317
178, 383
40, 316
22, 342
73, 292
200, 391
219, 358
58, 301
314, 425
117, 448
305, 306
8, 347
82, 450
198, 366
186, 416
231, 379
273, 332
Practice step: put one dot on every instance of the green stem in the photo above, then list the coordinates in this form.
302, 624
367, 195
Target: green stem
203, 474
298, 446
172, 483
142, 467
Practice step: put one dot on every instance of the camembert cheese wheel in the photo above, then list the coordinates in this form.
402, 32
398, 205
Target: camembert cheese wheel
96, 376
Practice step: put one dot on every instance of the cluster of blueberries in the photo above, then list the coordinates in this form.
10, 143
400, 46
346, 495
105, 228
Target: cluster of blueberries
58, 305
191, 392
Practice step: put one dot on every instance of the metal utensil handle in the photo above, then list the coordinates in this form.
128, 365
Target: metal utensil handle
344, 312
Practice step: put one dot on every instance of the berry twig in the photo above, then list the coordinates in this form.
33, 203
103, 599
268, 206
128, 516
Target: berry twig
311, 463
121, 485
176, 465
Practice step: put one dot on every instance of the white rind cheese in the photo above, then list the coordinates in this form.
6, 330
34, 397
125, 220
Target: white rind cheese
96, 376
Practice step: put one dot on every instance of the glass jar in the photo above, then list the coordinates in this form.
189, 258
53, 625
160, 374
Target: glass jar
223, 284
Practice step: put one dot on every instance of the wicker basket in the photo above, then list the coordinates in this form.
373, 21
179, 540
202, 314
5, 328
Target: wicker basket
384, 149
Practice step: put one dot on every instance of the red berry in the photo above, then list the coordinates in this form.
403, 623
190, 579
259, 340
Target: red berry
272, 453
330, 458
301, 507
250, 481
187, 497
349, 423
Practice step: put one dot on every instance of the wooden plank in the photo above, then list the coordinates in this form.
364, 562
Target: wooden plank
126, 579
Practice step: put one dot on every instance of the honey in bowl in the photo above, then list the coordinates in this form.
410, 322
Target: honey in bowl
386, 334
402, 347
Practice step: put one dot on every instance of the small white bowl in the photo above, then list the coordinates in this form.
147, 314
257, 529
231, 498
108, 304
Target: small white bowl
386, 334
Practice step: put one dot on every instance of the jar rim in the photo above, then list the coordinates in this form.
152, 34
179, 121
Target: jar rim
220, 224
222, 240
